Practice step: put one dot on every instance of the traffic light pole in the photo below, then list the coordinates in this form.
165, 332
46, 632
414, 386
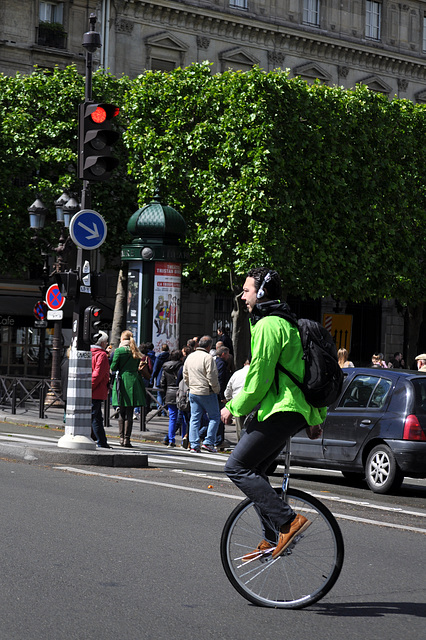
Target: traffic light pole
79, 390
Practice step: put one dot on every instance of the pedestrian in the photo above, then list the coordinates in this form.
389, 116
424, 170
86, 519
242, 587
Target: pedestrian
233, 388
100, 388
191, 344
160, 359
224, 337
182, 401
397, 362
343, 358
421, 362
221, 359
279, 409
145, 369
169, 386
375, 361
201, 377
131, 388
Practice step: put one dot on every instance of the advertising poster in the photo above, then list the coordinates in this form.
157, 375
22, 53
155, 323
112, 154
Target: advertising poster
133, 313
167, 287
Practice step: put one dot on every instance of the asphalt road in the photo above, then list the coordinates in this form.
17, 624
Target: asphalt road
92, 553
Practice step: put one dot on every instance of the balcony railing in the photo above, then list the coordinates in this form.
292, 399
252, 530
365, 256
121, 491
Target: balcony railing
51, 34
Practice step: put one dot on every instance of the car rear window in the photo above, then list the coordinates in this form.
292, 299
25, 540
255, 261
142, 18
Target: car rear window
366, 391
419, 385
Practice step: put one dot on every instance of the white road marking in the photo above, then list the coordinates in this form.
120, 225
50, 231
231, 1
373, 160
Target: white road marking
200, 458
363, 503
225, 495
201, 475
17, 437
138, 480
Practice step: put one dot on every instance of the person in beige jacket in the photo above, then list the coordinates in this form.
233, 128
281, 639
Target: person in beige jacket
201, 377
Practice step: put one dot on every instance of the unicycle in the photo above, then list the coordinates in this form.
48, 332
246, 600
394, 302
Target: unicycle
305, 572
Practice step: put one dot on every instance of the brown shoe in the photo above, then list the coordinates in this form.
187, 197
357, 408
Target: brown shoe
288, 532
260, 550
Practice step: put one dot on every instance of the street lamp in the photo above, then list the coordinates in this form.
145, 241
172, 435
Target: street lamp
65, 207
37, 213
59, 208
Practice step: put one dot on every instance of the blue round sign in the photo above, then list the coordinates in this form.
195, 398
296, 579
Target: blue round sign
54, 298
88, 229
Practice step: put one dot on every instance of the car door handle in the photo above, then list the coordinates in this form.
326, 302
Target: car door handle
366, 422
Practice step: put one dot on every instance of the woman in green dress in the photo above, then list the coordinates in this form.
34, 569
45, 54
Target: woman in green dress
126, 360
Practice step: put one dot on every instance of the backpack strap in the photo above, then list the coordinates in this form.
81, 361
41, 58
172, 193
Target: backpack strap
280, 367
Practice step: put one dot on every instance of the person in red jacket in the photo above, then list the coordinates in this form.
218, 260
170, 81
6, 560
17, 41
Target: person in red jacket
100, 382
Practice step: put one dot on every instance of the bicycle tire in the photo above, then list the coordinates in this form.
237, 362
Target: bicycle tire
306, 571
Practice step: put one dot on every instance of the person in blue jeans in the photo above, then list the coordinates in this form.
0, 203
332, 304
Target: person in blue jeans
169, 386
160, 359
201, 377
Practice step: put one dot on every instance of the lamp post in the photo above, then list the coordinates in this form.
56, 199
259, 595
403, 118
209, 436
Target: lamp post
65, 207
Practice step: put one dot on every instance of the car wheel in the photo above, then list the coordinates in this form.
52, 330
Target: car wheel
381, 470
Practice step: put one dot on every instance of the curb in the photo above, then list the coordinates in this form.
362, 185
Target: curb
135, 459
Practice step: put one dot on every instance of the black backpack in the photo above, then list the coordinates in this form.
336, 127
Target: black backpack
322, 383
182, 396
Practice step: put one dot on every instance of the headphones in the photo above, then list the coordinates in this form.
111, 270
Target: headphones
266, 279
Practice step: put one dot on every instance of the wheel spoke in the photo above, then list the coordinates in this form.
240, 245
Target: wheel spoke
302, 575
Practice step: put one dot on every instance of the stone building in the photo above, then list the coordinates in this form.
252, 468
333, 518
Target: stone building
381, 44
378, 43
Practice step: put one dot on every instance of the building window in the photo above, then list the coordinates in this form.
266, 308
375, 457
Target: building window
51, 32
373, 11
162, 65
424, 33
238, 4
311, 12
51, 12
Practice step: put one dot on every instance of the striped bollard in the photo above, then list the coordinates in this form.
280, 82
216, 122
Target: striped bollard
78, 423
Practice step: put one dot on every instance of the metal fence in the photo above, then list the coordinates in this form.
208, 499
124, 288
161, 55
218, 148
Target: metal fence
28, 393
36, 395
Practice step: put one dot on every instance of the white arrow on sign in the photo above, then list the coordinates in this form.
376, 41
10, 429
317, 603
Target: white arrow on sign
94, 232
88, 230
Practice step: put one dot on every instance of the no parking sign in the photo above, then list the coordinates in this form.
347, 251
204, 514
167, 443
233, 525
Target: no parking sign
54, 298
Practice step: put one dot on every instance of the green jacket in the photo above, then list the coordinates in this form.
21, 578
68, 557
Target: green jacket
132, 391
273, 340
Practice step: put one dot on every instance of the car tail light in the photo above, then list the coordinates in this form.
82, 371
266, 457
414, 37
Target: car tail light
412, 429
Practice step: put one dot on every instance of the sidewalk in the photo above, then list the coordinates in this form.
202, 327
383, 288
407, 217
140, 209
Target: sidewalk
156, 426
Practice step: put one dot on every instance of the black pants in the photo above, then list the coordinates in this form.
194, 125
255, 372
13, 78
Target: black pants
98, 423
247, 465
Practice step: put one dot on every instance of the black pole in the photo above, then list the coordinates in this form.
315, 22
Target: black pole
79, 402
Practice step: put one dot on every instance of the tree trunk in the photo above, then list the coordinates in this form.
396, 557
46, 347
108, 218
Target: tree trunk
415, 317
240, 332
119, 318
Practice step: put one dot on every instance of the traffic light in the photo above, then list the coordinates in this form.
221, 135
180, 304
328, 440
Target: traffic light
91, 324
95, 140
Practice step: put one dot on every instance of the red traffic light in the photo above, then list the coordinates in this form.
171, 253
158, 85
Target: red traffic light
91, 324
104, 112
96, 138
99, 115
